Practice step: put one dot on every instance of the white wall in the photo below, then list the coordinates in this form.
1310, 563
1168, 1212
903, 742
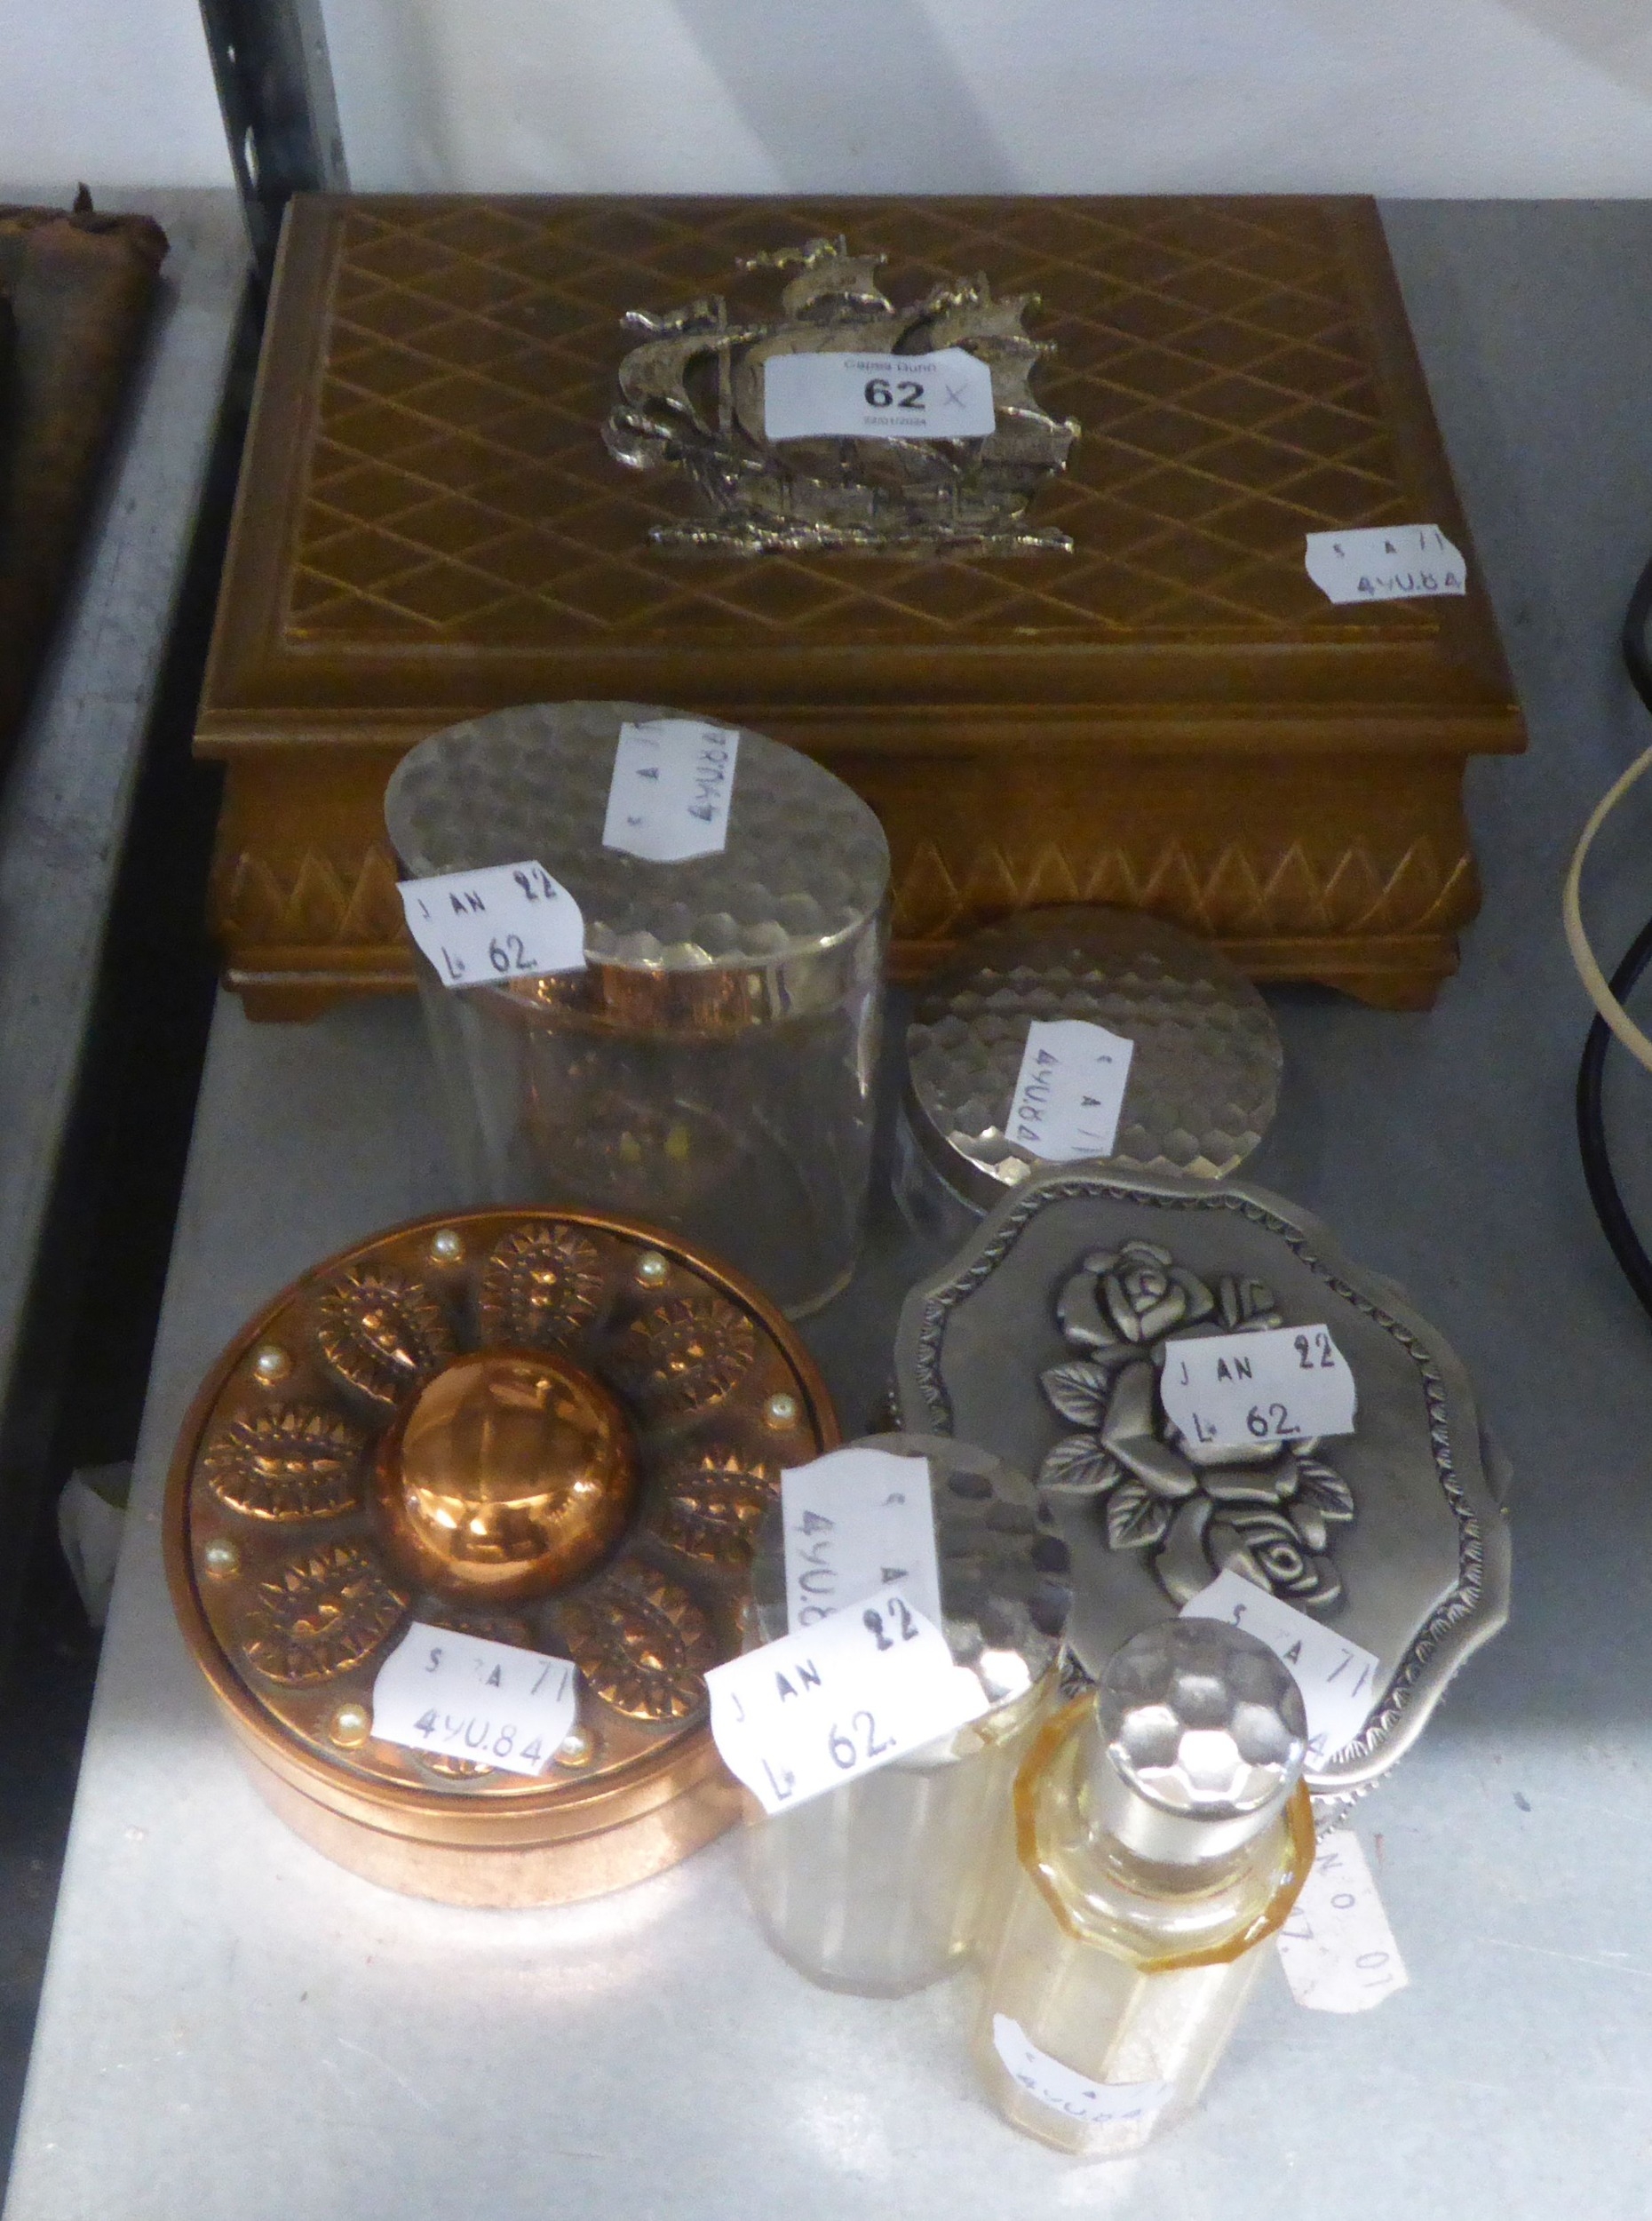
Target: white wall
115, 91
1395, 96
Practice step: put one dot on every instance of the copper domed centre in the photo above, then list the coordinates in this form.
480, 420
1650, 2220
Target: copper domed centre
511, 1476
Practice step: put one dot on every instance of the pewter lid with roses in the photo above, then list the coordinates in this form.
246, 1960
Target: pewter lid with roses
1042, 1342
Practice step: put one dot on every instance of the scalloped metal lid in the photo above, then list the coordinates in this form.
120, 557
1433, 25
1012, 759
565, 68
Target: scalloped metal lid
805, 865
1040, 1342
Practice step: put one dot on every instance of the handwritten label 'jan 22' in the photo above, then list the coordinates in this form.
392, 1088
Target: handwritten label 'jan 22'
1070, 1089
1240, 1391
1067, 2092
943, 396
1336, 1948
505, 921
855, 1521
1339, 1680
824, 1706
1385, 562
467, 1697
673, 783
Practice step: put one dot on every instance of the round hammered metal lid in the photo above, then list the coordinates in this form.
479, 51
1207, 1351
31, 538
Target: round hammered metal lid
547, 1429
1004, 1571
1044, 1341
1203, 1080
805, 867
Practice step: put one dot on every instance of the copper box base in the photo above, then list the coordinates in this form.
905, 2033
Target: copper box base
1172, 718
504, 1875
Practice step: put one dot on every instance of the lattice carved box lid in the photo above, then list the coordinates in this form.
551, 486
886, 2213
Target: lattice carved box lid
427, 473
1172, 717
1045, 1342
547, 1429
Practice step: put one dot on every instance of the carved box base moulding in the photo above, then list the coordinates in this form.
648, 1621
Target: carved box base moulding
1170, 717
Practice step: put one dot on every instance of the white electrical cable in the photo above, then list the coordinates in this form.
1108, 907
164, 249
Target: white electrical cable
1571, 910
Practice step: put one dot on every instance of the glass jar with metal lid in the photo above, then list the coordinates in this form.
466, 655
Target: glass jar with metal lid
1204, 1064
880, 1887
711, 1068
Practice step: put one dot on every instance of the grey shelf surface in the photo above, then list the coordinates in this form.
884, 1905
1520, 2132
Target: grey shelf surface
232, 2026
68, 789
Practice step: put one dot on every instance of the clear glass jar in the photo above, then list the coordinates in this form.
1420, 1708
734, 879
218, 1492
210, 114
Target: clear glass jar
711, 1070
884, 1886
1161, 1839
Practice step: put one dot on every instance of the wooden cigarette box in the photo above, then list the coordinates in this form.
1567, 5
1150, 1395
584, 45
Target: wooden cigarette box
1170, 717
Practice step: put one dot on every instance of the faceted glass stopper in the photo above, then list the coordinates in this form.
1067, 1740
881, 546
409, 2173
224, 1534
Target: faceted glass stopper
1202, 1719
511, 1476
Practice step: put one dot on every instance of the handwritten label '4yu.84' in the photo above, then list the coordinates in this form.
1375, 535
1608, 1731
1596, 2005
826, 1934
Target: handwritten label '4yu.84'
1385, 562
853, 1522
673, 783
466, 1697
1070, 1090
823, 1708
507, 922
1239, 1392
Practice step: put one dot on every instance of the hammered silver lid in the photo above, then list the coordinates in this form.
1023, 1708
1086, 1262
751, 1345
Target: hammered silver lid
1203, 1080
1004, 1571
804, 868
1201, 1738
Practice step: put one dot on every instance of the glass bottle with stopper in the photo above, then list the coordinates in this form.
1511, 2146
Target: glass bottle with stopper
1162, 1832
879, 1886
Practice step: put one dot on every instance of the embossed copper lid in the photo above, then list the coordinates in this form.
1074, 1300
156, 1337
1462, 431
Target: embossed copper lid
1204, 1079
550, 1428
765, 928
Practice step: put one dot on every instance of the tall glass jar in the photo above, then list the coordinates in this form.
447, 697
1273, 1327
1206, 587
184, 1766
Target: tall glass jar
881, 1887
711, 1070
1162, 1833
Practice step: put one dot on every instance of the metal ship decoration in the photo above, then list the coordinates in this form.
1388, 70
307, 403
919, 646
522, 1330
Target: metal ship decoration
693, 397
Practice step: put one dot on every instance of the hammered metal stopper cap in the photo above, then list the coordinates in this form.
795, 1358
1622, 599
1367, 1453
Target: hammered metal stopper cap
1201, 1738
511, 1476
1204, 1078
1004, 1590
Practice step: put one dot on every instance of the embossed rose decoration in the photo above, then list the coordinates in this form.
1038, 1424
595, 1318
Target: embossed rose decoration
1266, 1512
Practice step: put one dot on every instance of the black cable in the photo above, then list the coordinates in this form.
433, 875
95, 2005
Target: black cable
1616, 1223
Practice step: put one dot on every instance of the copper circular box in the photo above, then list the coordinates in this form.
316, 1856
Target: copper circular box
549, 1429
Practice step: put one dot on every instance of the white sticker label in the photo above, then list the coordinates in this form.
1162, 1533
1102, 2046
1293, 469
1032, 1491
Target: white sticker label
1234, 1391
1070, 1089
507, 922
853, 1522
468, 1698
944, 396
1336, 1947
1385, 562
825, 1706
1066, 2092
1339, 1680
673, 781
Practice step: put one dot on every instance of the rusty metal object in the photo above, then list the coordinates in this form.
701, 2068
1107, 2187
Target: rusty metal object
79, 287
